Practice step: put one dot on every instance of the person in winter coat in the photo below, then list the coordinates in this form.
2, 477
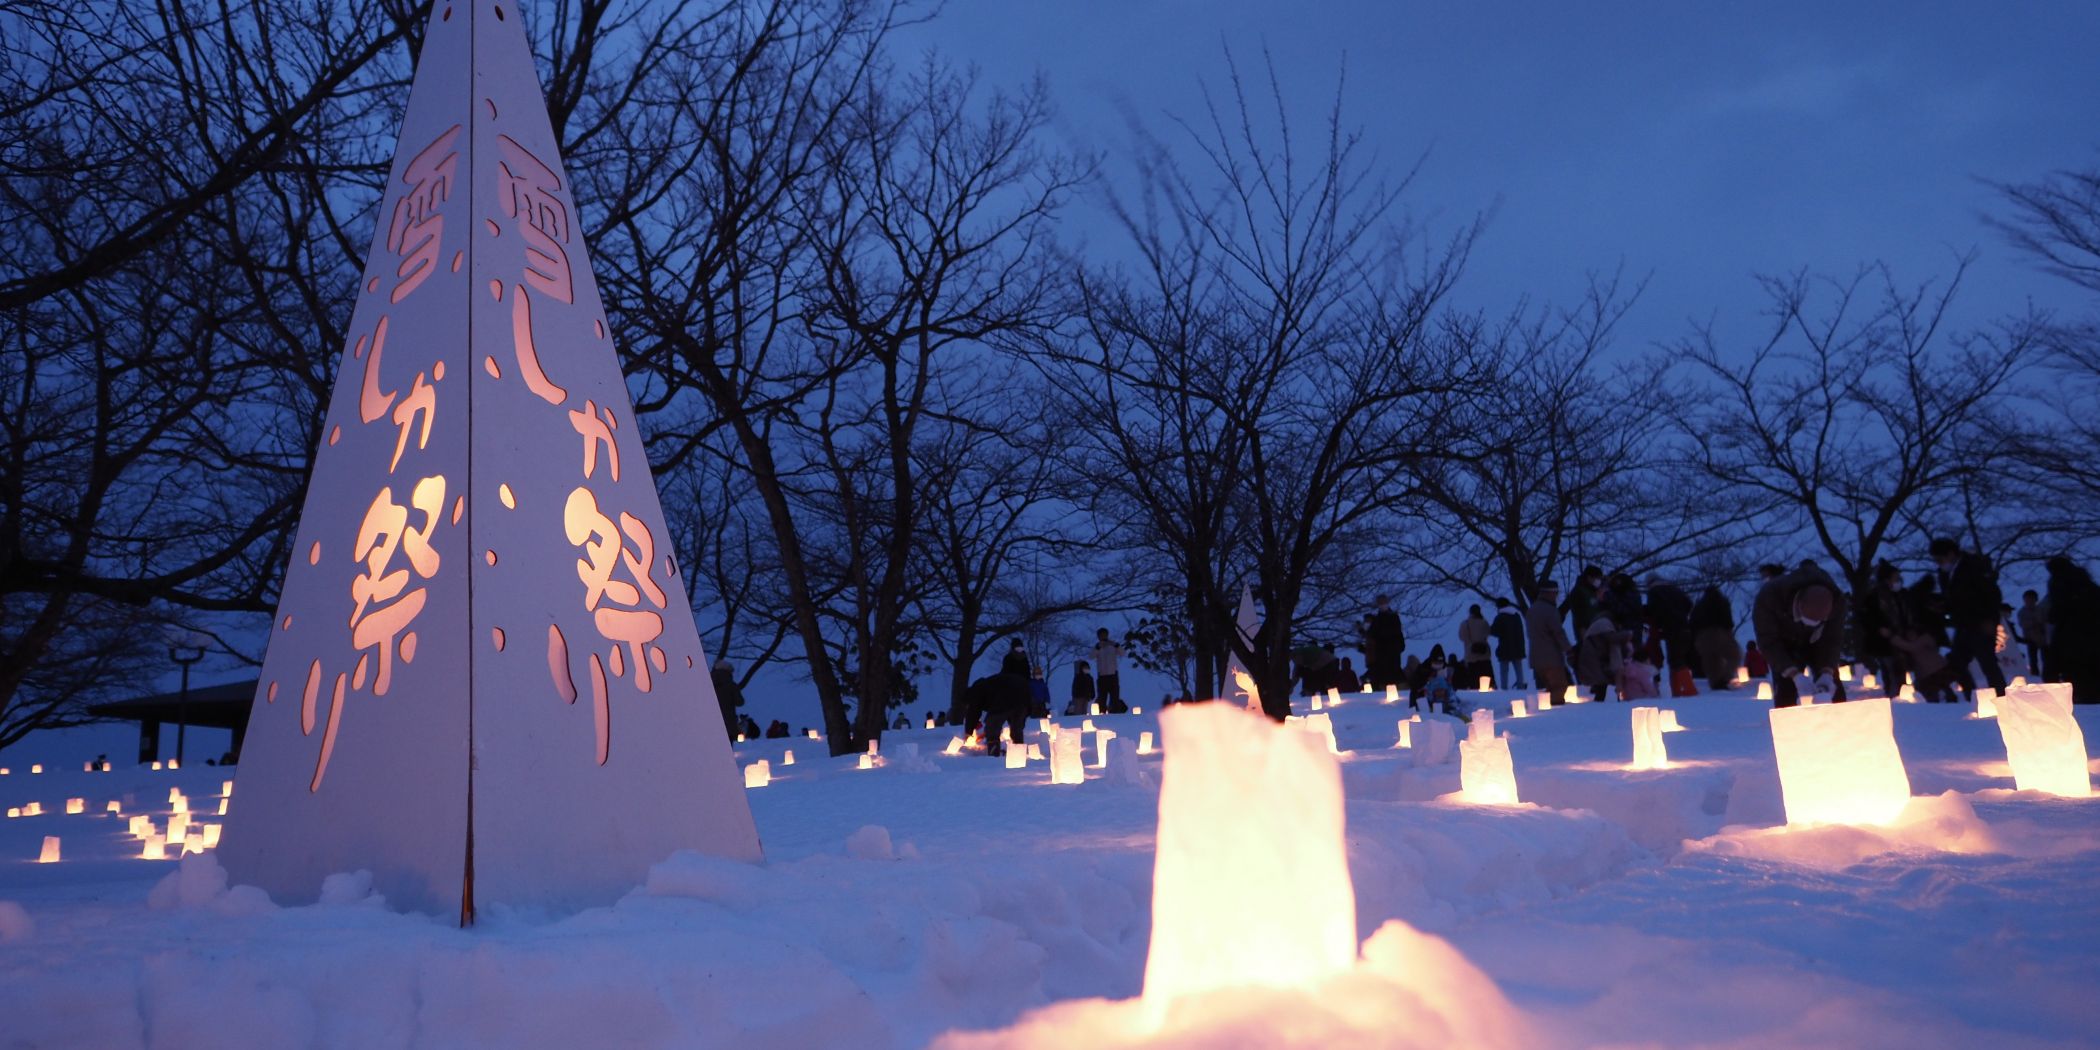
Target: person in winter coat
1016, 660
2032, 618
1418, 679
1969, 591
1038, 692
1670, 614
1602, 653
1799, 620
1754, 661
1713, 634
727, 693
1108, 661
1582, 604
1082, 691
1508, 630
1006, 707
1345, 678
1437, 694
1388, 642
1475, 661
2074, 629
1878, 616
1548, 642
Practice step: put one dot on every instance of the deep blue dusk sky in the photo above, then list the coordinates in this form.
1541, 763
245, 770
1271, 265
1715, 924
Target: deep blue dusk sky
1697, 143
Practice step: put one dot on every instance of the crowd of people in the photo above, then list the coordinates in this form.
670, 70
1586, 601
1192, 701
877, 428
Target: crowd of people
1943, 633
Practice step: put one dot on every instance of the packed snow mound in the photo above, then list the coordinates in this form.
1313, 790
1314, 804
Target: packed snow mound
199, 882
1936, 823
1409, 990
15, 924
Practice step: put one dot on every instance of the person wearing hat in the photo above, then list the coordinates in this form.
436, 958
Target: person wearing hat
727, 693
1549, 642
1799, 617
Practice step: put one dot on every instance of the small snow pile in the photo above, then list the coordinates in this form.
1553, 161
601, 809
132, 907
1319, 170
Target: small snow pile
871, 842
350, 888
705, 877
1410, 990
15, 924
905, 758
1928, 823
199, 882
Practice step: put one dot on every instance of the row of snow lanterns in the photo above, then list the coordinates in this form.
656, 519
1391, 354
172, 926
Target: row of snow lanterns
181, 830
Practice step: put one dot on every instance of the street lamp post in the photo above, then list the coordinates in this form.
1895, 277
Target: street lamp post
184, 653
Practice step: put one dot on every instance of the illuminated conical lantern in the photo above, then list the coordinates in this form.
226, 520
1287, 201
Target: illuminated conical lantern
483, 682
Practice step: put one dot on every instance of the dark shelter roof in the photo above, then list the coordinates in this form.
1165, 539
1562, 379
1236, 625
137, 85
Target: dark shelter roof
223, 706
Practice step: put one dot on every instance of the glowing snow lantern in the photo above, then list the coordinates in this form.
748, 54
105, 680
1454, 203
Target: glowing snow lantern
1517, 709
178, 826
211, 836
38, 768
1093, 709
1016, 756
76, 806
1669, 720
156, 767
2018, 681
1838, 763
955, 746
33, 809
1316, 704
1137, 710
874, 747
141, 826
87, 767
1101, 740
50, 851
174, 795
758, 774
1392, 694
182, 805
787, 758
2043, 742
1482, 726
1144, 743
222, 806
1323, 724
1407, 734
1868, 681
1648, 749
113, 807
1742, 675
1243, 795
1764, 690
1086, 725
1486, 774
174, 763
867, 761
1067, 759
929, 721
1906, 694
1845, 672
1484, 685
13, 812
1035, 752
226, 788
1244, 682
813, 734
1543, 701
4, 771
1986, 704
1334, 696
154, 848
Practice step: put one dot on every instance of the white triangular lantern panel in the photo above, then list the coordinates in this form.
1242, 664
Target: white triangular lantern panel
483, 681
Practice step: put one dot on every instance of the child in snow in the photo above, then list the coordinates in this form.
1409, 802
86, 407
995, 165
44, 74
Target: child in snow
1436, 689
1082, 690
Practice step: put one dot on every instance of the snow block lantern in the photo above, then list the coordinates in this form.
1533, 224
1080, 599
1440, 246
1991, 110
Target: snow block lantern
1838, 763
758, 774
1437, 743
1648, 749
1486, 774
1407, 735
1243, 795
2043, 742
483, 683
1067, 759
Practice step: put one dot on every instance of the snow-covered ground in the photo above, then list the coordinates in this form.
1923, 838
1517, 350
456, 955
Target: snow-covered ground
925, 901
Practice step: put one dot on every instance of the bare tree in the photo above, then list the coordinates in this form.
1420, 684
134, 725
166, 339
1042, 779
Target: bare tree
1857, 416
1259, 390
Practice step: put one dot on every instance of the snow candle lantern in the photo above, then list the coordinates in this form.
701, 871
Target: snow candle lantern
154, 848
33, 809
1482, 726
1764, 690
1317, 705
1392, 694
929, 721
1906, 694
758, 774
2043, 742
37, 768
1093, 709
1334, 696
13, 812
955, 746
1543, 701
867, 760
1101, 739
1486, 774
1035, 752
113, 807
1407, 734
1844, 672
1742, 675
1838, 763
1986, 703
1067, 760
1438, 739
1323, 724
174, 763
813, 734
1144, 743
787, 758
1868, 681
1244, 795
874, 747
1669, 720
211, 836
75, 806
1484, 685
1017, 756
156, 767
50, 851
1517, 709
1648, 749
